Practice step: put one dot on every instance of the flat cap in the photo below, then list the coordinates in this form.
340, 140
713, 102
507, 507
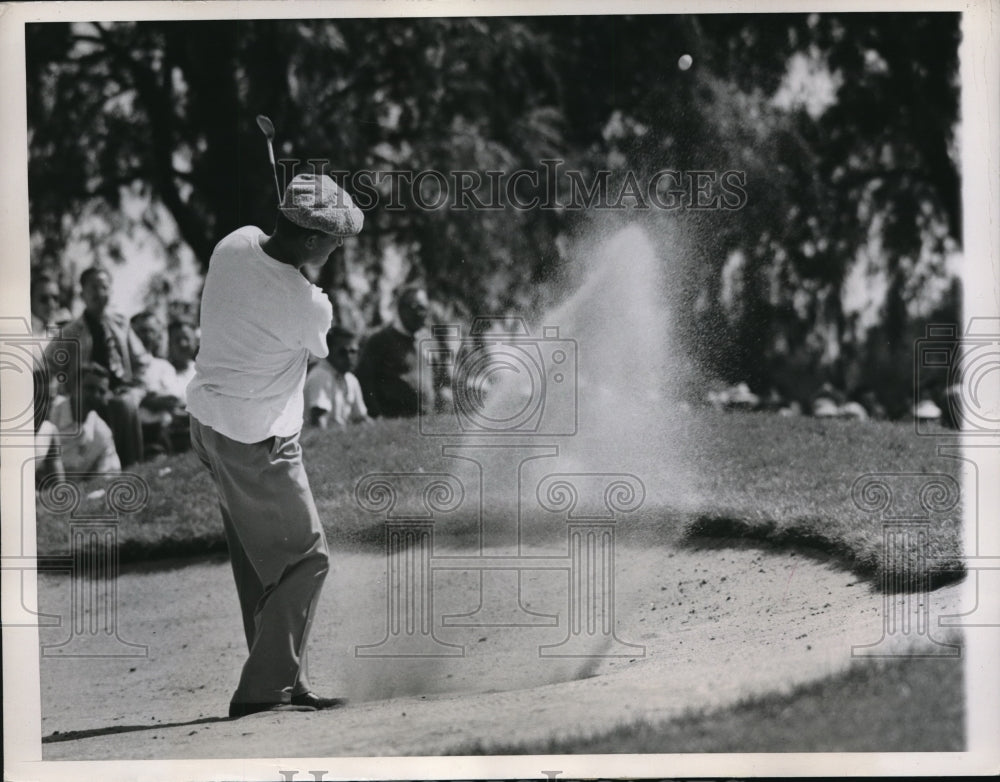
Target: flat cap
318, 203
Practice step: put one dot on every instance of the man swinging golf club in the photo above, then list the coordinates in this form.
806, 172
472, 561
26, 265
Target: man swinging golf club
260, 320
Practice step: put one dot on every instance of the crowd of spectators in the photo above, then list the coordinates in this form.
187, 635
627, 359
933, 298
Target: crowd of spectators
125, 402
827, 401
119, 403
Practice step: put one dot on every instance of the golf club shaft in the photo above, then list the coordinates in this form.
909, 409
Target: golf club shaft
274, 170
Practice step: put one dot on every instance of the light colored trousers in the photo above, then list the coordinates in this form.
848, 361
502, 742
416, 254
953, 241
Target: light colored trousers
278, 553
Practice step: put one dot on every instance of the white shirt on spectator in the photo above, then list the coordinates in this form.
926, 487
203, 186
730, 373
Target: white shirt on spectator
260, 320
162, 378
86, 447
46, 440
338, 395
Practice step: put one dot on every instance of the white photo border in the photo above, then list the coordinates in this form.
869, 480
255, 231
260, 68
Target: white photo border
980, 143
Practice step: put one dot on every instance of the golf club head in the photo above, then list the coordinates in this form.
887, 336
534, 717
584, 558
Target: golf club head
266, 126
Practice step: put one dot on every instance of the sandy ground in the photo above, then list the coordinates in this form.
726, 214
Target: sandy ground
709, 626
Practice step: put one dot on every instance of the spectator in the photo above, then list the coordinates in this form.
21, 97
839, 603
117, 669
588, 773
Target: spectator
105, 339
774, 401
149, 329
874, 408
166, 426
332, 392
48, 462
44, 304
853, 409
826, 402
737, 397
926, 410
389, 370
182, 347
87, 445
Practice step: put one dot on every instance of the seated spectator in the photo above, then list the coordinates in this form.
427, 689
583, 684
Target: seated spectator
44, 304
874, 408
48, 462
332, 392
853, 409
826, 402
737, 397
46, 392
926, 410
163, 410
106, 339
149, 329
773, 401
86, 444
393, 382
742, 398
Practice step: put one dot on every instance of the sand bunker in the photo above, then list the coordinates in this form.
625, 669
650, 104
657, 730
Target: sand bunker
708, 627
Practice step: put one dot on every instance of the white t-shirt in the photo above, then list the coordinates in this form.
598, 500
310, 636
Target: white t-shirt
260, 320
87, 447
335, 394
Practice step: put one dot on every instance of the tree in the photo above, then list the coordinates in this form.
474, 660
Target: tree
168, 109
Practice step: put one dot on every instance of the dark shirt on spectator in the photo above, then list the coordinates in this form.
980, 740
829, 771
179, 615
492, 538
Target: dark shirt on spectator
390, 374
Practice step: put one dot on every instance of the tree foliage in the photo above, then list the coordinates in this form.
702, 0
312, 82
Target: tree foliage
167, 109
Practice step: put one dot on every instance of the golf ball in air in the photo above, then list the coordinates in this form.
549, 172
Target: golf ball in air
685, 62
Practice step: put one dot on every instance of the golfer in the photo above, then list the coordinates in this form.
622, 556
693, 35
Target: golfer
260, 321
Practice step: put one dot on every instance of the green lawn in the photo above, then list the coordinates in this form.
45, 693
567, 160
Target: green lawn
784, 481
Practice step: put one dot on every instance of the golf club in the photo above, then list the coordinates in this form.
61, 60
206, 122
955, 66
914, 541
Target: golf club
267, 128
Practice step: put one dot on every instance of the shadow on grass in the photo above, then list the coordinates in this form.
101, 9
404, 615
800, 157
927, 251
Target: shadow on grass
805, 539
168, 553
660, 526
146, 564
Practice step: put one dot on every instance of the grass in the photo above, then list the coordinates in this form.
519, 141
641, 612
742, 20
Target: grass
747, 477
906, 705
787, 481
781, 481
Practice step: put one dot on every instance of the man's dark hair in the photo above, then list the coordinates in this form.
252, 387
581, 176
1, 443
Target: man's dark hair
180, 322
92, 271
42, 278
409, 291
339, 334
144, 315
